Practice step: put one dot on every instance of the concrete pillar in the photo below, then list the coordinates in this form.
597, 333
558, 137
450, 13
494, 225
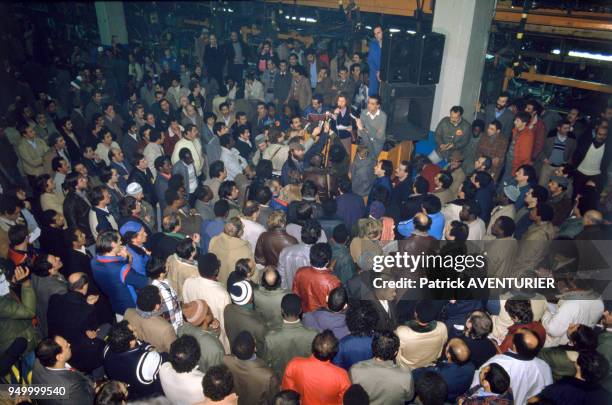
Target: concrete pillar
111, 21
466, 24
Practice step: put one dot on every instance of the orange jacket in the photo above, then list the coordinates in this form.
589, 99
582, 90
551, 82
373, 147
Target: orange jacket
522, 148
318, 382
313, 285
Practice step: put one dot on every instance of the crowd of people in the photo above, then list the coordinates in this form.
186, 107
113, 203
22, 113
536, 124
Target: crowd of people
203, 232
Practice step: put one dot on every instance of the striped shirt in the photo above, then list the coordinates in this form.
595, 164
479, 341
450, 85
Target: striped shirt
557, 154
170, 308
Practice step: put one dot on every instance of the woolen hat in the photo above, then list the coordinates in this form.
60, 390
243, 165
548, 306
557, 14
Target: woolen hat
130, 226
241, 292
560, 180
259, 139
77, 82
512, 192
195, 311
133, 189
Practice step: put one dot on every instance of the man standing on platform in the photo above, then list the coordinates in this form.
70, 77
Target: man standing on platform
452, 133
499, 111
374, 56
372, 125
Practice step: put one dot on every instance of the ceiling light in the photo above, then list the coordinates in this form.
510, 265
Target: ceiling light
588, 55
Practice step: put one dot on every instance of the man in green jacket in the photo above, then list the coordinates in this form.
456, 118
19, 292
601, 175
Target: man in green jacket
605, 347
290, 340
268, 297
562, 359
17, 313
202, 325
452, 133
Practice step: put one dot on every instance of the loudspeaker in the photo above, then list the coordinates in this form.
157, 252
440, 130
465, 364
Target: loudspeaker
408, 108
412, 57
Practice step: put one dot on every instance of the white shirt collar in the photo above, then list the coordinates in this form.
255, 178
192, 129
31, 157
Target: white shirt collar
385, 305
372, 116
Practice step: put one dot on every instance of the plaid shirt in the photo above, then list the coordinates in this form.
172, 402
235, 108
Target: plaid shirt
170, 308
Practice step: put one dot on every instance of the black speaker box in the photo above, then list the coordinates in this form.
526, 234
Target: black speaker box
412, 58
408, 108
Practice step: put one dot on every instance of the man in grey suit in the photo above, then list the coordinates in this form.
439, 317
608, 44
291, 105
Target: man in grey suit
372, 125
384, 381
51, 368
499, 111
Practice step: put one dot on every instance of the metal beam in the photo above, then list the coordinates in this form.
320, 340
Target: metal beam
585, 21
393, 7
594, 35
532, 76
567, 59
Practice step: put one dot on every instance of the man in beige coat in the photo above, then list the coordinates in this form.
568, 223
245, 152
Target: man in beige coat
229, 248
147, 321
31, 150
501, 251
421, 340
180, 268
191, 141
208, 288
300, 91
535, 242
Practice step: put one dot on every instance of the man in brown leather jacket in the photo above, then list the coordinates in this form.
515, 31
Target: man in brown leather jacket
274, 240
420, 241
321, 177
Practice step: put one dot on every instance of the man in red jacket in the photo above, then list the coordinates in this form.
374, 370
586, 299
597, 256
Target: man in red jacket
522, 143
315, 378
536, 125
313, 283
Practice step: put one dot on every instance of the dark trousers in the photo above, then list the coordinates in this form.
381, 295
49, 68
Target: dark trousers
236, 72
580, 181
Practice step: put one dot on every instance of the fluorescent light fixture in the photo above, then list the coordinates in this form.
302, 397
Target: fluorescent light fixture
368, 27
230, 10
585, 55
302, 19
588, 55
411, 32
489, 56
394, 30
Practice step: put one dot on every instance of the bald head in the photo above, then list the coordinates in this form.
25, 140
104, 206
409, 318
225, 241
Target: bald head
526, 343
592, 217
457, 351
78, 282
422, 222
270, 280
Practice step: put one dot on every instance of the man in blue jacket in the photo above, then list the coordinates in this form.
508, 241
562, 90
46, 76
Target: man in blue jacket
374, 56
383, 171
113, 273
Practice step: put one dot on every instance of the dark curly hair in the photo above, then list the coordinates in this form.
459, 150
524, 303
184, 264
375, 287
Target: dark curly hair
361, 320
